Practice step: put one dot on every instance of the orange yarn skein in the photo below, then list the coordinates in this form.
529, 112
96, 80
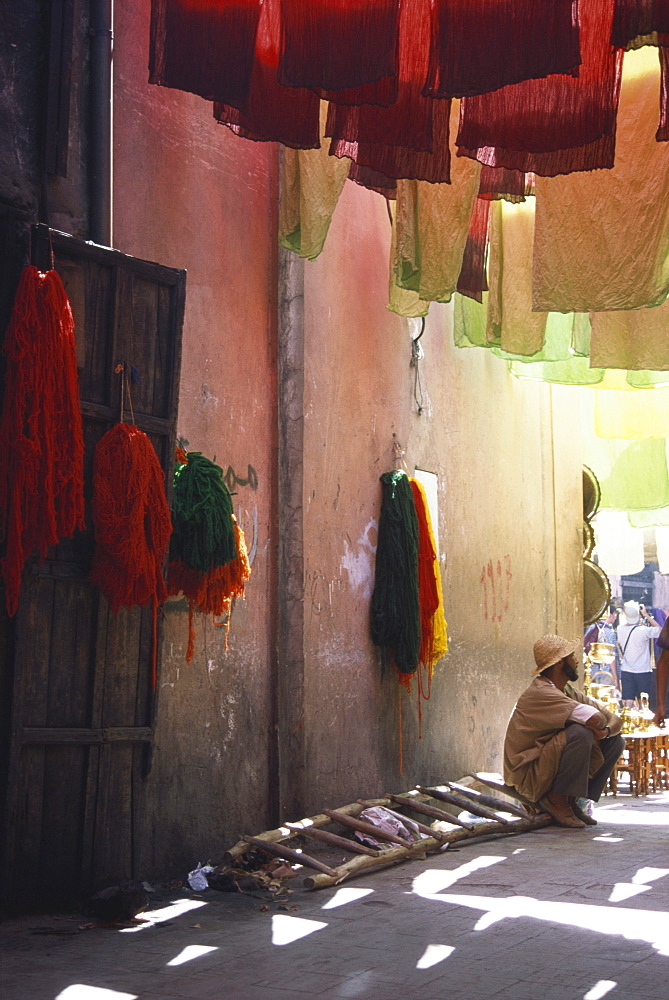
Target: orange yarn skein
131, 518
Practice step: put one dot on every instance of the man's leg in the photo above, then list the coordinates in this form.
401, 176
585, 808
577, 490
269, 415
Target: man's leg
571, 780
612, 747
572, 774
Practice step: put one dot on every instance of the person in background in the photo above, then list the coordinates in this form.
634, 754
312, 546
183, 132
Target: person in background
634, 647
604, 630
661, 675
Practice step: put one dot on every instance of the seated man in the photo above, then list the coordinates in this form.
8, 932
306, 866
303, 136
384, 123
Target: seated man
560, 745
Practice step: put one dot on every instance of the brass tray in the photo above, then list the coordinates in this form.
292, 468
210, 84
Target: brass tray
596, 592
591, 493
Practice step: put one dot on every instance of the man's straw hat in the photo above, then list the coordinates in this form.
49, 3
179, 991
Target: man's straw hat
550, 649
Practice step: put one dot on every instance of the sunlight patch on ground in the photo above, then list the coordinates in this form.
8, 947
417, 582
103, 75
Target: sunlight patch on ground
625, 890
285, 930
81, 992
190, 952
606, 838
433, 954
651, 926
175, 909
600, 989
433, 881
344, 896
626, 815
645, 875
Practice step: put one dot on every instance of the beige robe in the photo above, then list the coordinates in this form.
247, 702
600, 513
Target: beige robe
536, 736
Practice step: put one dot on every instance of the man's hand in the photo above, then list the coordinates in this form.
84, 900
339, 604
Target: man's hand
601, 734
658, 718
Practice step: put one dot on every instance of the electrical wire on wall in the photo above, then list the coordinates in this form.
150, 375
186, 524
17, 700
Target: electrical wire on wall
417, 355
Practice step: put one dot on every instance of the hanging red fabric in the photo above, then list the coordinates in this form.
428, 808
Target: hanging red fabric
482, 45
473, 280
401, 162
408, 121
41, 437
339, 45
635, 20
662, 134
273, 113
556, 125
205, 47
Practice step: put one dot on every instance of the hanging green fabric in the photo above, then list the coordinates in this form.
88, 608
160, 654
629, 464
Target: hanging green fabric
632, 474
203, 535
395, 611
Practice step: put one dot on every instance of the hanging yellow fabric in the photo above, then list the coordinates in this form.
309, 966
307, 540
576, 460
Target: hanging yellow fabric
431, 226
511, 324
631, 338
311, 183
622, 411
602, 237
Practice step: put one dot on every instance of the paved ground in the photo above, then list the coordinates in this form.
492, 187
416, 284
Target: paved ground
551, 915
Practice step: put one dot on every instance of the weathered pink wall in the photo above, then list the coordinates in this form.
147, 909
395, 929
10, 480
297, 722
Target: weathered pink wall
509, 519
191, 195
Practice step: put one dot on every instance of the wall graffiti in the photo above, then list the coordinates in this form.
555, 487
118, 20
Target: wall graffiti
232, 479
496, 576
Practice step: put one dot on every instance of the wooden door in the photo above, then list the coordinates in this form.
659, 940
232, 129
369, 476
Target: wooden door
82, 703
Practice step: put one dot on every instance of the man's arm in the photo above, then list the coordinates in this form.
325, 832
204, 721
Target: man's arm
661, 675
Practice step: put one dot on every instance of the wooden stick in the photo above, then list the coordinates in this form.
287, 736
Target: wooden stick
457, 800
513, 793
396, 854
487, 800
287, 853
352, 846
358, 824
412, 803
403, 819
282, 832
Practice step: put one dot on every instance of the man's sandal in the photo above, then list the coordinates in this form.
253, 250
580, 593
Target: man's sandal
562, 818
580, 814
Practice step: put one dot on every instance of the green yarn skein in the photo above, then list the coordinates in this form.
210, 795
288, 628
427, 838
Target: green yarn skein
203, 535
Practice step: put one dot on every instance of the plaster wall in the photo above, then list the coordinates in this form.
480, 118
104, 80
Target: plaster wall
191, 195
509, 522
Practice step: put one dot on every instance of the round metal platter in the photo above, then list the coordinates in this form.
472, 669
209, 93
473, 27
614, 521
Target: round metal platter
588, 539
596, 591
591, 493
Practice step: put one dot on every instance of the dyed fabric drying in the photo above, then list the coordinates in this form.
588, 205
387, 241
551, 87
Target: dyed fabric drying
650, 519
317, 51
633, 339
272, 112
631, 414
432, 223
635, 20
602, 239
41, 437
473, 280
311, 183
500, 182
409, 139
482, 45
555, 125
205, 47
395, 610
511, 323
632, 475
397, 161
619, 546
662, 134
